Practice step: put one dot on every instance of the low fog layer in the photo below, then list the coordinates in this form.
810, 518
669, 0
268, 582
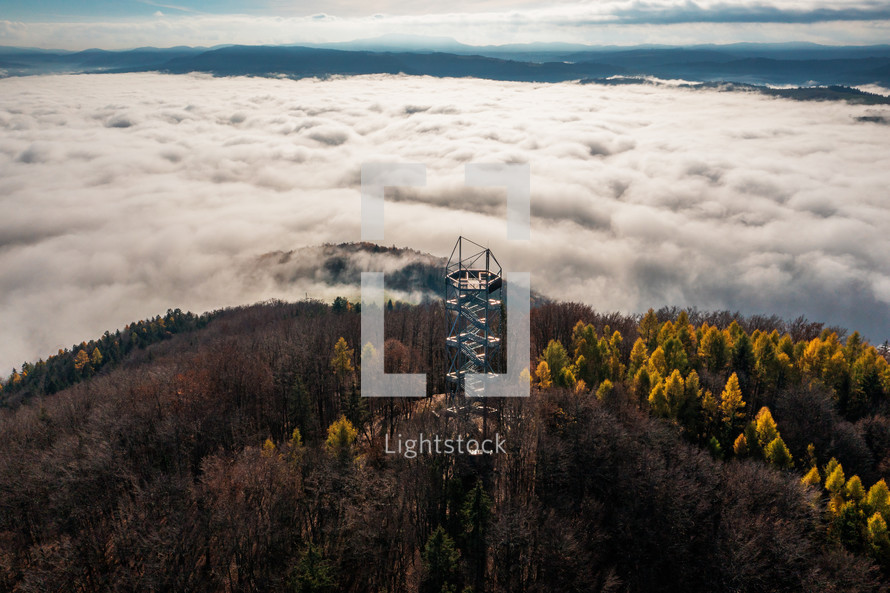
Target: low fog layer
124, 195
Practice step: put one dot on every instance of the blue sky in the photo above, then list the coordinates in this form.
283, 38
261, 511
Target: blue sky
131, 23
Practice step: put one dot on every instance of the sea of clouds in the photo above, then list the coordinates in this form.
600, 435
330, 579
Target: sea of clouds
123, 195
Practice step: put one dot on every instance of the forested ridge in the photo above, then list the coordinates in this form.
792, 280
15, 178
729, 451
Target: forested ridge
673, 451
82, 361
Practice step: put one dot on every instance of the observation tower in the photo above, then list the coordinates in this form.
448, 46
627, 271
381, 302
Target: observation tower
473, 293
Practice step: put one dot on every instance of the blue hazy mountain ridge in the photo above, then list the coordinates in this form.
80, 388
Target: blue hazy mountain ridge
776, 64
31, 61
304, 61
558, 51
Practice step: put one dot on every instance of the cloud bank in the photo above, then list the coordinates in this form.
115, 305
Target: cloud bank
123, 195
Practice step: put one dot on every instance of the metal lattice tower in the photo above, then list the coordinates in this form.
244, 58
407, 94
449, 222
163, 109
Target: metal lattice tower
473, 300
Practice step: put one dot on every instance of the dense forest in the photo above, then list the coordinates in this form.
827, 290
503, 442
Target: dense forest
671, 451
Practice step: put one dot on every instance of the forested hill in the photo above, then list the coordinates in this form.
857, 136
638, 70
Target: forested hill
82, 361
668, 452
410, 274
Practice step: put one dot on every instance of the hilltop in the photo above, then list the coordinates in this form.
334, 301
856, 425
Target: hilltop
237, 454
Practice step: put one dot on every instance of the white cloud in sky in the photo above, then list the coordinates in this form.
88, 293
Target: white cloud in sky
123, 195
622, 22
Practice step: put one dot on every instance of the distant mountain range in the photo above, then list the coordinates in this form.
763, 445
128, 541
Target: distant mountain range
760, 64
